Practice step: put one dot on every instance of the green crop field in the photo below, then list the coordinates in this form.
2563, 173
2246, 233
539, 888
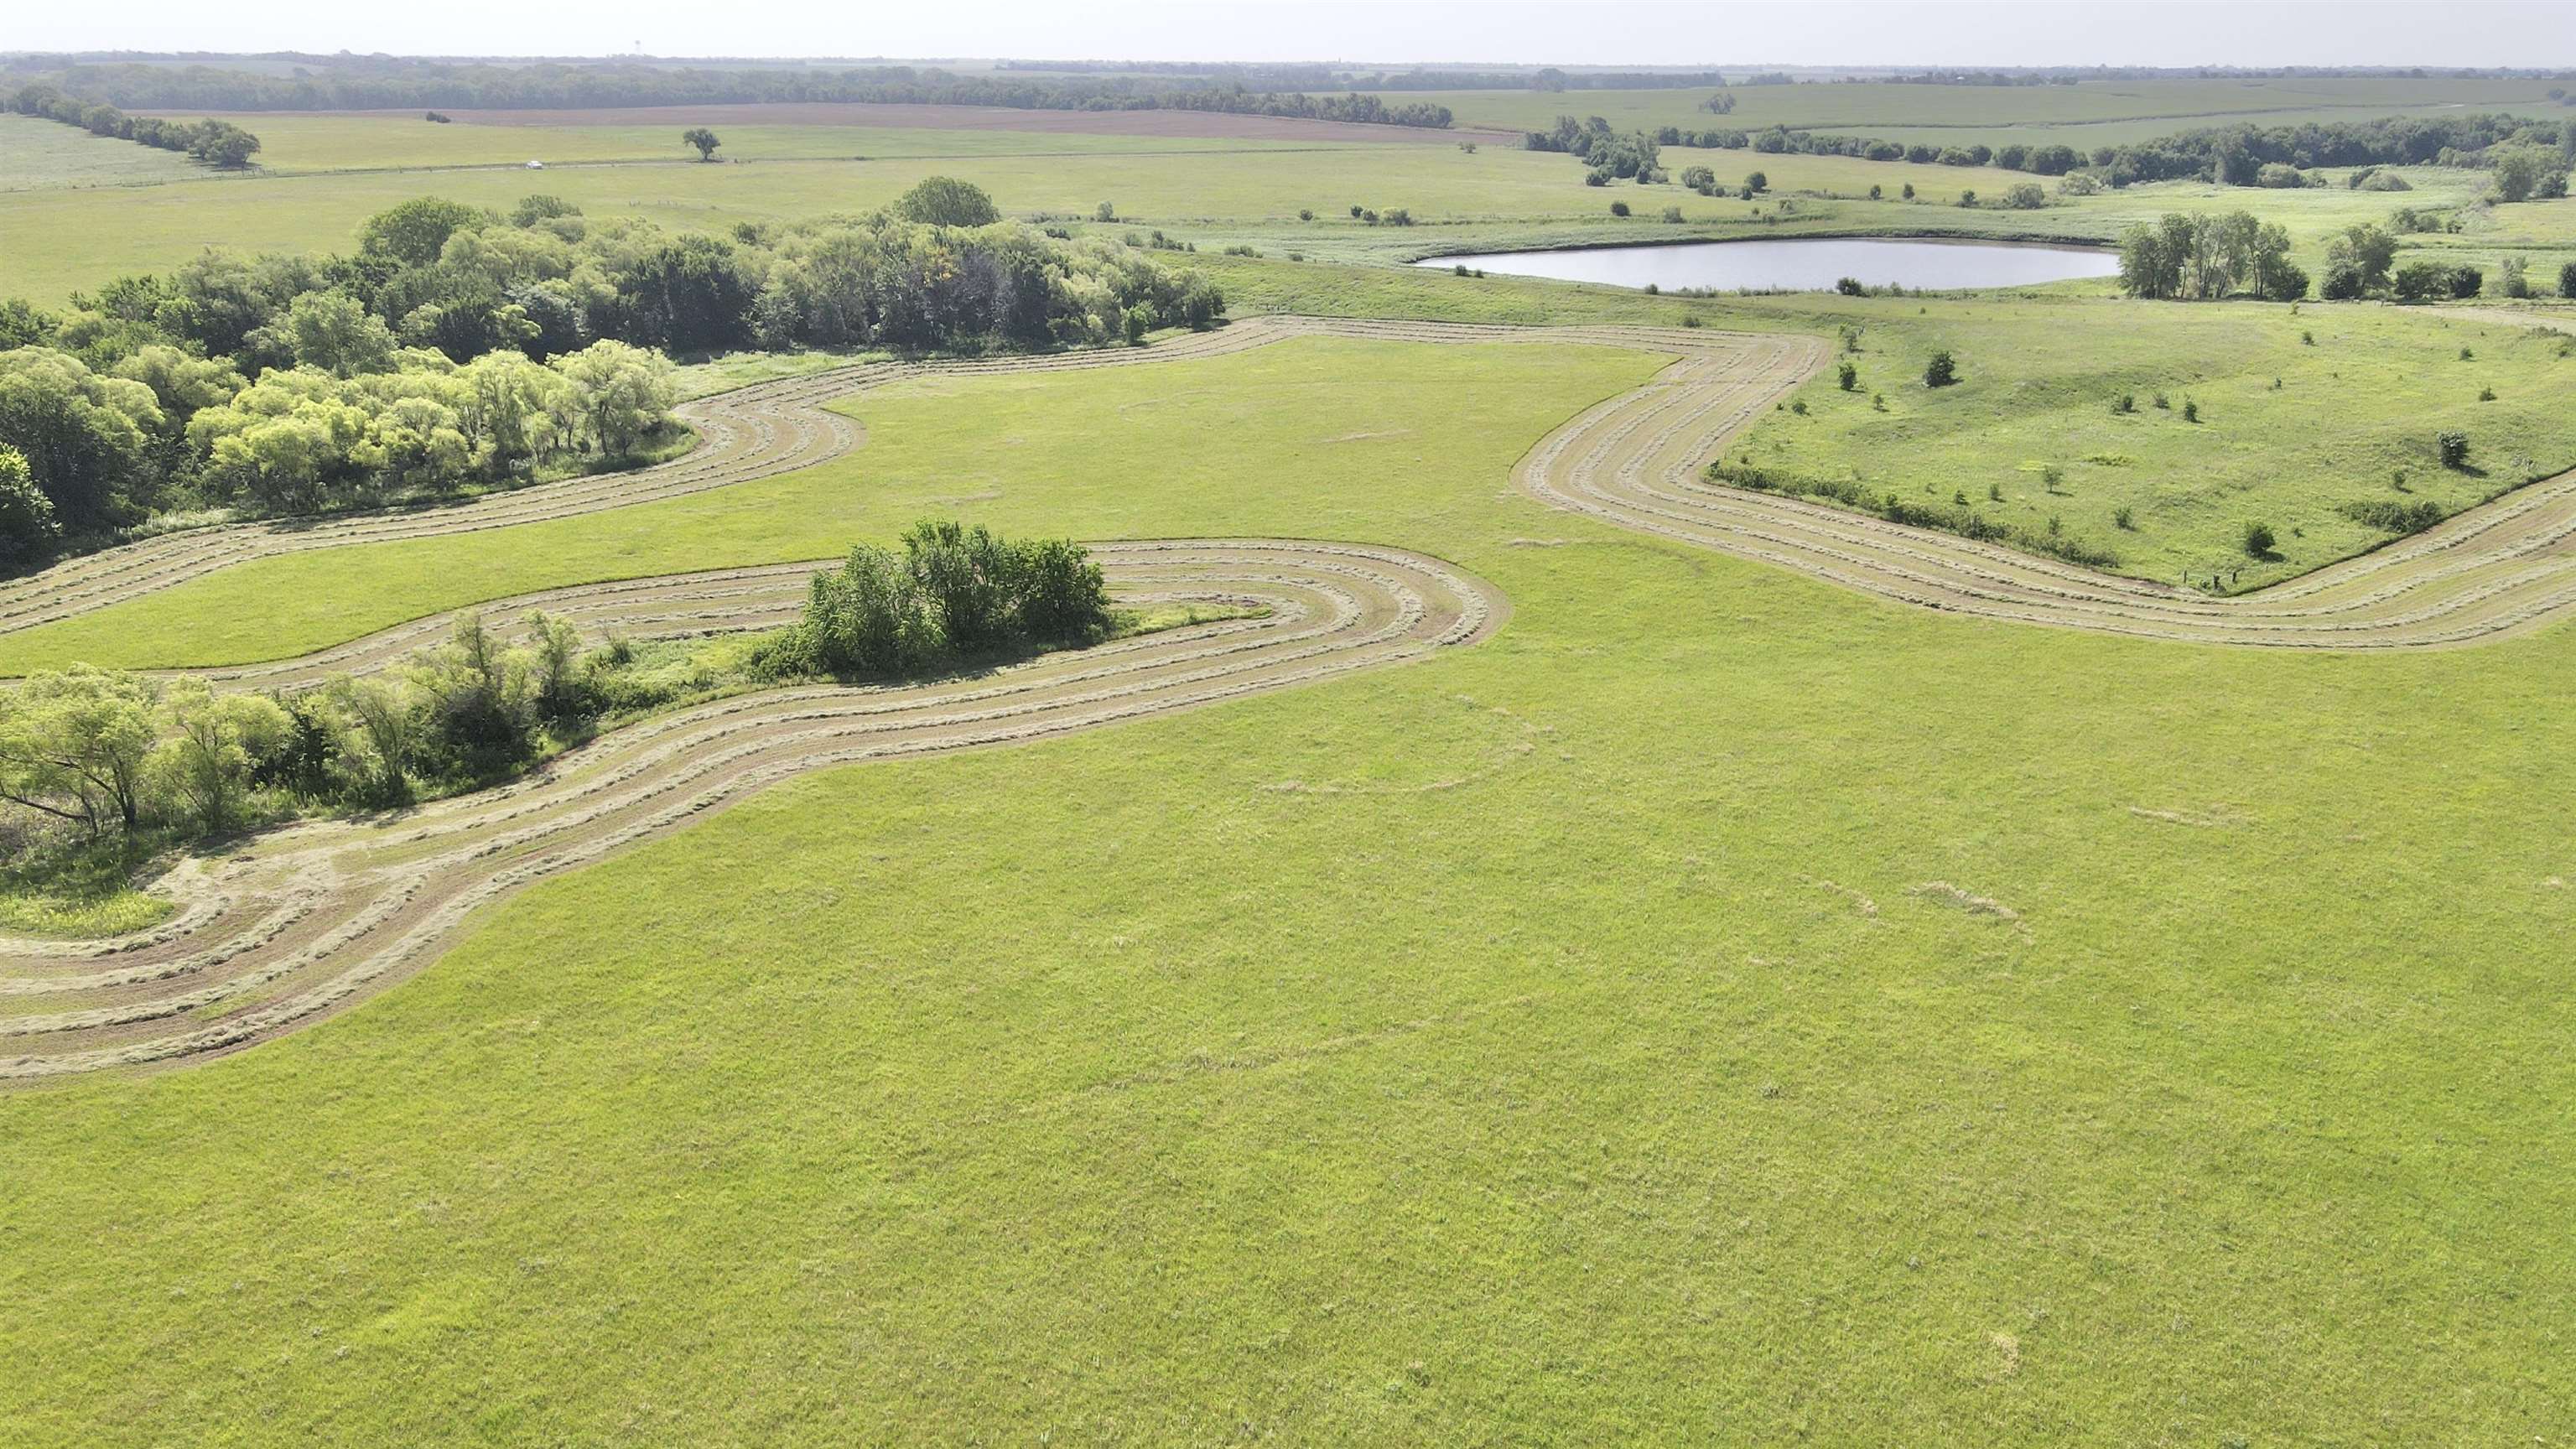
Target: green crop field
1735, 999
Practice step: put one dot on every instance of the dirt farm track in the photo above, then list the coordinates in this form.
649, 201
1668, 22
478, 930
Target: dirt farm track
301, 921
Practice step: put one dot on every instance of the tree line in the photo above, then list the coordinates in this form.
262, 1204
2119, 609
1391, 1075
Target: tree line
2531, 159
399, 83
459, 345
217, 143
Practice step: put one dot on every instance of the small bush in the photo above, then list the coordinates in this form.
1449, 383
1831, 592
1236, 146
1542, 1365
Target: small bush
2259, 540
1618, 208
2394, 516
1847, 375
2124, 519
2125, 403
1941, 371
2453, 447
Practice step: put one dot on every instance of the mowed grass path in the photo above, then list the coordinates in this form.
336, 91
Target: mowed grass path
1594, 1035
1301, 439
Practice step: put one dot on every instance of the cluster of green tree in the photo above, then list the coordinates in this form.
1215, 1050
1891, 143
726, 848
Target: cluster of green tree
458, 345
397, 83
217, 143
1984, 78
952, 593
2435, 281
2237, 155
119, 758
2209, 257
1549, 78
162, 429
1611, 155
2530, 158
109, 751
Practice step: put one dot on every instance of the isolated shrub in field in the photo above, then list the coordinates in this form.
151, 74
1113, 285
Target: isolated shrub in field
2126, 402
2124, 518
953, 591
2513, 277
2259, 540
2394, 516
1673, 215
2453, 447
2421, 281
2567, 280
1941, 371
1618, 208
1847, 375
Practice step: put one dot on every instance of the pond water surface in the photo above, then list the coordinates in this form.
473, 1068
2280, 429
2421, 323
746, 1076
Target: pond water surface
1802, 264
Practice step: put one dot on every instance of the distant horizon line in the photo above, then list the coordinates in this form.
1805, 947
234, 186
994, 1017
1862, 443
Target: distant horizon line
2392, 68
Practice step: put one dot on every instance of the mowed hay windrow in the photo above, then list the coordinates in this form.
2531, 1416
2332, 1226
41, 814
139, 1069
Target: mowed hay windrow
1634, 460
305, 920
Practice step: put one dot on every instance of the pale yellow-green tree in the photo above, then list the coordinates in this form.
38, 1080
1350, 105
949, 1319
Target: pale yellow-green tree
210, 746
75, 744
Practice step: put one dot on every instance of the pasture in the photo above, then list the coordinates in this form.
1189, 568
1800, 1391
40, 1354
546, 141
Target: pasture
1543, 947
1940, 1054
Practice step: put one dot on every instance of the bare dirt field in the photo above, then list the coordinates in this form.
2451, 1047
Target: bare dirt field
1209, 124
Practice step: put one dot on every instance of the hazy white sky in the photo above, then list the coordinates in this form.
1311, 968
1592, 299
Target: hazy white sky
1720, 32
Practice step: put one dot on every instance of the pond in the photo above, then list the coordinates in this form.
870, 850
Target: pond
1807, 264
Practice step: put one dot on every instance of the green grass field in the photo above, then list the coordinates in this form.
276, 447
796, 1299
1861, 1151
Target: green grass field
39, 154
1719, 1008
2032, 114
293, 144
1320, 409
56, 240
1643, 1082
